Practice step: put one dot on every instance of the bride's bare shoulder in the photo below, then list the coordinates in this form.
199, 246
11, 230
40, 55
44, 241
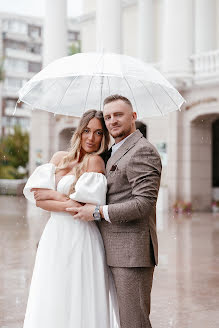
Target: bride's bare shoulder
57, 157
96, 164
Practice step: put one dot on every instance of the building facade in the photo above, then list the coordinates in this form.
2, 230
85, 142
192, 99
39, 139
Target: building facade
21, 55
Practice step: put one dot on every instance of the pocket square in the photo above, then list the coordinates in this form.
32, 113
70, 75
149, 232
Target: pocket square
113, 168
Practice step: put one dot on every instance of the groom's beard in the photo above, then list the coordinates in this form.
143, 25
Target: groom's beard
120, 134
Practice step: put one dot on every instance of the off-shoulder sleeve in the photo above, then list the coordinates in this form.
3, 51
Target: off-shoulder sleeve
91, 188
43, 177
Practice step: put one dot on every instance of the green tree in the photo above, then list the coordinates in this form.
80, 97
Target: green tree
2, 70
14, 151
74, 48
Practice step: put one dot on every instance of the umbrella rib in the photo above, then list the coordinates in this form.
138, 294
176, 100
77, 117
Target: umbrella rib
101, 90
169, 96
98, 60
85, 104
132, 94
65, 91
52, 84
32, 88
108, 85
152, 97
102, 81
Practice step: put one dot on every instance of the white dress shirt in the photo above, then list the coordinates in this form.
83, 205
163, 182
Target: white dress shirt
115, 147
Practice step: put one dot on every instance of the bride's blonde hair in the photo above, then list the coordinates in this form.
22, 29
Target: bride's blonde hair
74, 152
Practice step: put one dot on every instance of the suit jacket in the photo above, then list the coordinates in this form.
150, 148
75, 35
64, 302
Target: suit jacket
133, 177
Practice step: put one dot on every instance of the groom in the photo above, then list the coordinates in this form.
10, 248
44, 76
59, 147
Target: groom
128, 225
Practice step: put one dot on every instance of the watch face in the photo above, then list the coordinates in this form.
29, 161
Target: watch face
97, 215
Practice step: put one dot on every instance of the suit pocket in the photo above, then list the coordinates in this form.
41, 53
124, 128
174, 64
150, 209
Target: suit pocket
115, 173
128, 249
131, 226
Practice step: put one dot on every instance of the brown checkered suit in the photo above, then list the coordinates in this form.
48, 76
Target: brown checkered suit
133, 176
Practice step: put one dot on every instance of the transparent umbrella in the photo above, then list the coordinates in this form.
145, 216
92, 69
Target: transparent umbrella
73, 84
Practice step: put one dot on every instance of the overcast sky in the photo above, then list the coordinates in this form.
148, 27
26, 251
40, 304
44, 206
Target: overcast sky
36, 7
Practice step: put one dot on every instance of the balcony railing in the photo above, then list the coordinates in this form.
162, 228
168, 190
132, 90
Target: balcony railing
21, 37
20, 112
206, 65
22, 54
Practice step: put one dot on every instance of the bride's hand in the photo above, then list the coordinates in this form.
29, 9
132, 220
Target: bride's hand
47, 194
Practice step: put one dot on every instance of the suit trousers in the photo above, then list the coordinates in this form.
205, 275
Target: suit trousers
133, 287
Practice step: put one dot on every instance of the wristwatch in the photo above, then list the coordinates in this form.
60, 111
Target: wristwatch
96, 213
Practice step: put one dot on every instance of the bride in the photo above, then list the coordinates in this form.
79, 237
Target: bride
71, 285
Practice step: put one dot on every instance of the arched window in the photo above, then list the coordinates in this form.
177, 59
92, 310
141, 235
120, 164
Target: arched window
215, 153
141, 127
65, 137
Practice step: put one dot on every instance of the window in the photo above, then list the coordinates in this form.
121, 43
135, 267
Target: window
13, 120
34, 32
73, 35
14, 83
14, 26
34, 48
16, 65
10, 103
34, 67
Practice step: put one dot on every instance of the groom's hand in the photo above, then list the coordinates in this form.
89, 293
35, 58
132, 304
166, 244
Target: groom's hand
72, 206
84, 213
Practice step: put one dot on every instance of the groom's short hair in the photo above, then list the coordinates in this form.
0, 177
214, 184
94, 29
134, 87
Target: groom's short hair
115, 98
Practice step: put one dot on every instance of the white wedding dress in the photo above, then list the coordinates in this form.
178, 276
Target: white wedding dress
71, 286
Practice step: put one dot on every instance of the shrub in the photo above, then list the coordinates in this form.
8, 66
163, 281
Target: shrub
14, 150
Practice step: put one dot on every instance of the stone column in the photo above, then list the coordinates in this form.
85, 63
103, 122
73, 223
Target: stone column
205, 25
146, 37
55, 30
54, 46
173, 157
108, 26
178, 47
178, 36
160, 21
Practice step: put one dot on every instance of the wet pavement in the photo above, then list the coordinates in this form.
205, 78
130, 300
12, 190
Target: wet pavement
185, 291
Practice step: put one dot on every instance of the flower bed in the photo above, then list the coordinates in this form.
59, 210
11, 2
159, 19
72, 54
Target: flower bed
215, 206
182, 207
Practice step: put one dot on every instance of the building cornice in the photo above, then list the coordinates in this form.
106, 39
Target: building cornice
90, 16
34, 20
28, 19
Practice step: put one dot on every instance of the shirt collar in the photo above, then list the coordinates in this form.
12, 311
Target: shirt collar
116, 146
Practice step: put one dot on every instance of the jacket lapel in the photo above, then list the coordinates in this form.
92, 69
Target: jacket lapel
123, 149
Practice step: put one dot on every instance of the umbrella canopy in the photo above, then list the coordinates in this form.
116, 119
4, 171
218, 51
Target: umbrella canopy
71, 85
